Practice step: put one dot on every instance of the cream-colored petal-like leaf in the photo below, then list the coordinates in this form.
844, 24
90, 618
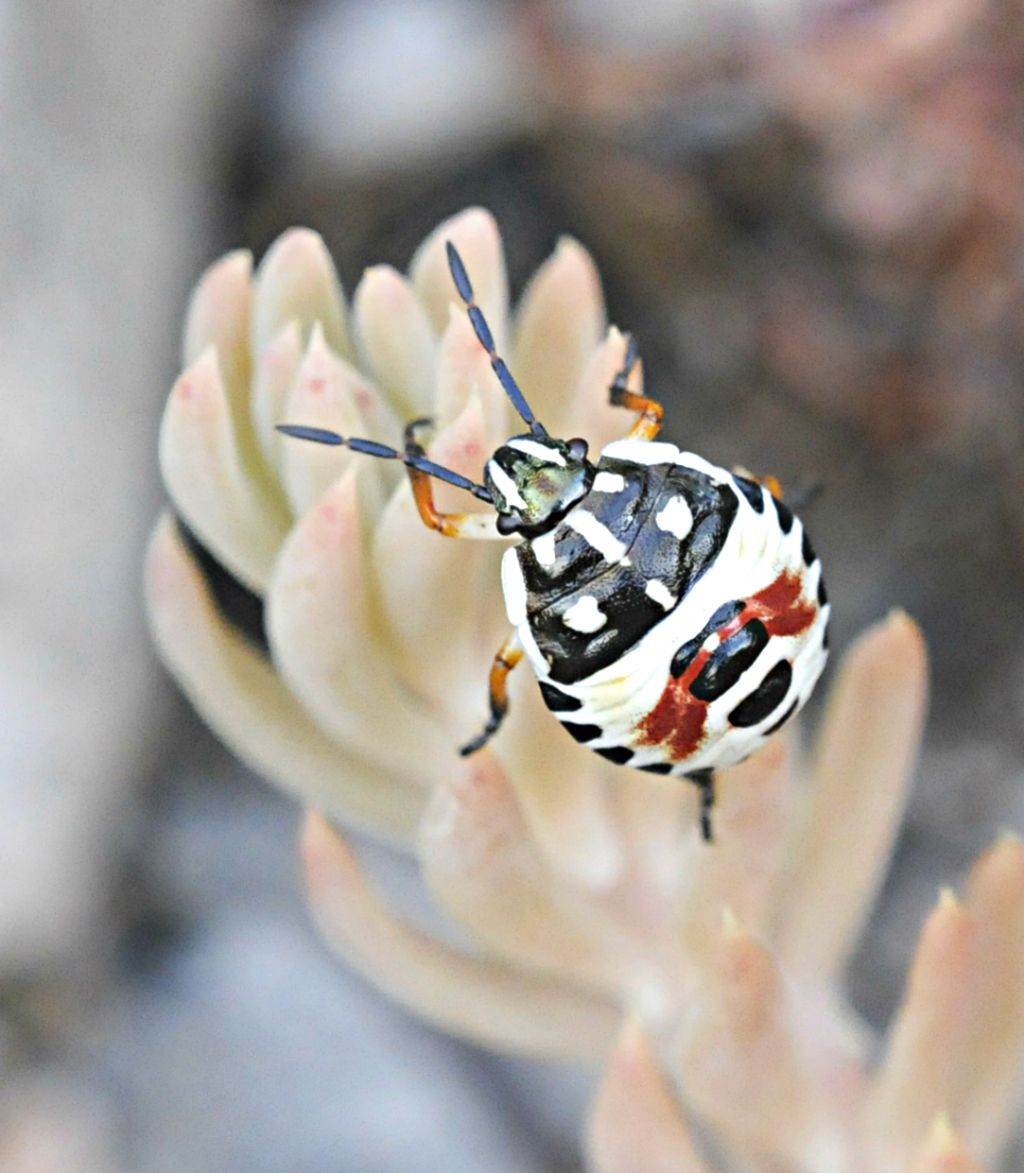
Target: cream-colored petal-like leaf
464, 371
483, 868
472, 996
740, 869
240, 522
274, 376
919, 1073
992, 1062
238, 693
395, 340
864, 762
475, 234
635, 1124
559, 322
741, 1061
656, 819
325, 644
562, 789
329, 393
218, 315
297, 281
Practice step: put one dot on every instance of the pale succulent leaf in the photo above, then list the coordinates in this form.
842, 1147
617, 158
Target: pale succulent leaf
240, 523
742, 1062
741, 868
993, 1059
922, 1068
464, 371
241, 697
475, 234
218, 315
562, 789
559, 322
472, 996
330, 393
275, 373
861, 779
635, 1124
395, 340
297, 281
482, 867
320, 623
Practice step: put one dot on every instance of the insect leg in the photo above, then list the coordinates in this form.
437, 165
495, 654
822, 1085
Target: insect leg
648, 423
704, 780
509, 655
452, 525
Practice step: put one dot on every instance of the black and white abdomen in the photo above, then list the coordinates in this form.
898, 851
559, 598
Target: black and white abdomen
676, 617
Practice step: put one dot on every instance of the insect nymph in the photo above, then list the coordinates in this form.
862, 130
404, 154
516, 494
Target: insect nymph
674, 612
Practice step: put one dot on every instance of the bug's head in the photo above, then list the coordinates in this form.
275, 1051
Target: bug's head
535, 481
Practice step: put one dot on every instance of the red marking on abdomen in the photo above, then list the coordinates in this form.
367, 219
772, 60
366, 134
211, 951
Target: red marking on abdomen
677, 720
780, 608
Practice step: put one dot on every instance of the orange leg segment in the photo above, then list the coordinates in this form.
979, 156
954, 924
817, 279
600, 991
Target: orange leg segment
648, 422
509, 655
452, 525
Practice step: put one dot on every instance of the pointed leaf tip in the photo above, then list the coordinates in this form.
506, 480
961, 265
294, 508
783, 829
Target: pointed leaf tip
943, 1151
327, 859
948, 899
635, 1124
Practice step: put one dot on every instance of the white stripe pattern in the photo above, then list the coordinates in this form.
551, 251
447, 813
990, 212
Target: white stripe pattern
538, 451
597, 534
505, 485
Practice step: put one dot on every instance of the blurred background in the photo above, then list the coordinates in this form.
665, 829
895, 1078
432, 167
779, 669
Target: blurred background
811, 213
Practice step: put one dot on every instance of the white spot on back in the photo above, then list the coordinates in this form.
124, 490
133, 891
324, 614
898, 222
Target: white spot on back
660, 593
675, 518
544, 549
585, 615
597, 534
505, 485
538, 450
608, 482
513, 587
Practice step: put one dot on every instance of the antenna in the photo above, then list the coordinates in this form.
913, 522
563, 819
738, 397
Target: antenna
486, 338
372, 448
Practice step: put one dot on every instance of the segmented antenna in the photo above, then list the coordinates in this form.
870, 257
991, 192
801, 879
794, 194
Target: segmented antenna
486, 338
372, 448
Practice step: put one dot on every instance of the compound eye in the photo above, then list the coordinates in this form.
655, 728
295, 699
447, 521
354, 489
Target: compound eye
578, 448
